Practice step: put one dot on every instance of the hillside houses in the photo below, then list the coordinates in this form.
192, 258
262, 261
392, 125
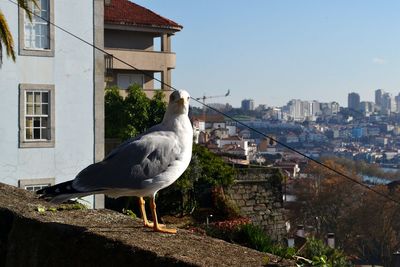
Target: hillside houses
237, 146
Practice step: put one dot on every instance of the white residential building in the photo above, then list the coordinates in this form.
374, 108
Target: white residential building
52, 97
234, 140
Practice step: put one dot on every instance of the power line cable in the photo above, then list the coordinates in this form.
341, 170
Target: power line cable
220, 112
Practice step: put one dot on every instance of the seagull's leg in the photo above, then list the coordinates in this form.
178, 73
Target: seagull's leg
143, 212
146, 223
157, 227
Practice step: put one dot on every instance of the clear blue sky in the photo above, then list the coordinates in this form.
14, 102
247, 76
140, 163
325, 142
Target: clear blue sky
276, 50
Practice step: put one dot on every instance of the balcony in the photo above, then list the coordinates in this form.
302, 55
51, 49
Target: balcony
143, 60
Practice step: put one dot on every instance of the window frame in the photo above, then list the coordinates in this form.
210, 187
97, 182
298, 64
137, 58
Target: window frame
23, 51
23, 142
131, 76
24, 183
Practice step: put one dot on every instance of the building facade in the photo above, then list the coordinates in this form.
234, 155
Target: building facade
353, 101
53, 95
142, 39
248, 104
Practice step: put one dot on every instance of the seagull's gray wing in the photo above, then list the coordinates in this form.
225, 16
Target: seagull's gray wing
130, 164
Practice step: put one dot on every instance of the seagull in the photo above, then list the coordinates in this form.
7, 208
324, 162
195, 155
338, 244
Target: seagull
140, 166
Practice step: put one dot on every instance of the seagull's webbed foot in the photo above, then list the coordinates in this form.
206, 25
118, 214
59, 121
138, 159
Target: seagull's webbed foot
157, 228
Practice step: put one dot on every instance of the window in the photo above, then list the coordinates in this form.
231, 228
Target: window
36, 187
35, 184
36, 115
37, 36
125, 80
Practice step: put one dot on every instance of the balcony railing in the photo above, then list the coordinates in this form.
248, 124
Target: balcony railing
108, 63
143, 60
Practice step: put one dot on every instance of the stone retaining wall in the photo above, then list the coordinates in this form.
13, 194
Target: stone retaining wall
258, 194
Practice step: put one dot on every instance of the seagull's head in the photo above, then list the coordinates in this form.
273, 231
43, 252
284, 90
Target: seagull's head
179, 102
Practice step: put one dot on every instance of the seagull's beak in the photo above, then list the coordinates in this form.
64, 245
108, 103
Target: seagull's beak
181, 101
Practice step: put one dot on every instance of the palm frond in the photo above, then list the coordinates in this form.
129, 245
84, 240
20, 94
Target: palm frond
1, 54
24, 4
6, 38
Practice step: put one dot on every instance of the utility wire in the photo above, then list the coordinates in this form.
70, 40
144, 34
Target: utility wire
220, 112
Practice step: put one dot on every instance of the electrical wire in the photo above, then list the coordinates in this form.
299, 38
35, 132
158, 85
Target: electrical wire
220, 112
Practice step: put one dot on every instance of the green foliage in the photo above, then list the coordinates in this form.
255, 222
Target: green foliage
254, 237
314, 253
214, 170
130, 213
127, 117
322, 255
206, 171
225, 207
242, 232
157, 107
115, 115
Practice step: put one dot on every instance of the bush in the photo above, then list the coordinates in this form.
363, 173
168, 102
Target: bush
194, 188
254, 237
242, 232
320, 253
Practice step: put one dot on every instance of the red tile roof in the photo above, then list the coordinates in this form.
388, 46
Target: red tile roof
127, 13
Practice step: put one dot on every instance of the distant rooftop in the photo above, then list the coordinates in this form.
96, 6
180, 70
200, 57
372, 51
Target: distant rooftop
124, 12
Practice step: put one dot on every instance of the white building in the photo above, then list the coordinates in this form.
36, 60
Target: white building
51, 98
388, 104
234, 140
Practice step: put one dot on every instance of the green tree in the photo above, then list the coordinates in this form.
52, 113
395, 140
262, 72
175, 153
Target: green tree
136, 107
157, 108
6, 38
115, 115
127, 117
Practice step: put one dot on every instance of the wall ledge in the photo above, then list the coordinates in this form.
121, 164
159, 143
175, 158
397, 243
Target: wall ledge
104, 238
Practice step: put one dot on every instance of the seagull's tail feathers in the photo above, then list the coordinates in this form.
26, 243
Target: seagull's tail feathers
60, 192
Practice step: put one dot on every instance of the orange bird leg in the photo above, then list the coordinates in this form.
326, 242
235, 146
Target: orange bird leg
143, 212
142, 206
157, 227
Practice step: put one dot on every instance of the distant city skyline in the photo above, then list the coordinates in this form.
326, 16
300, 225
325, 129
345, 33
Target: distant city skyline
275, 51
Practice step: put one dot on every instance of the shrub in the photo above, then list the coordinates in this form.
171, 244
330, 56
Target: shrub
320, 253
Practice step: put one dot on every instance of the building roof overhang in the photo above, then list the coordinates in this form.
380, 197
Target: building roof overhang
127, 15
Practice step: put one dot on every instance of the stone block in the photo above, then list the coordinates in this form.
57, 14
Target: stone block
250, 202
260, 207
246, 209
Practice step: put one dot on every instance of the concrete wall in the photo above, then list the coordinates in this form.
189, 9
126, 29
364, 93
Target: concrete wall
71, 71
259, 197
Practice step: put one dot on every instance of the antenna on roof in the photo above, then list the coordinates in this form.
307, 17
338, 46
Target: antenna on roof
208, 97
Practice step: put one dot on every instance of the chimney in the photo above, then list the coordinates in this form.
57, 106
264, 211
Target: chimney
107, 2
299, 239
331, 240
300, 230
